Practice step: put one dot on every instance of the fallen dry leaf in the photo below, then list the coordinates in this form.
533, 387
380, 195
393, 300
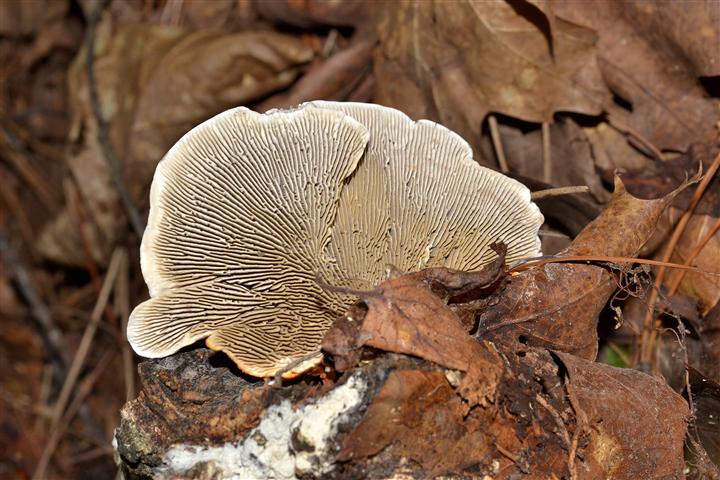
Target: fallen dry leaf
454, 62
652, 54
404, 315
557, 306
636, 423
226, 14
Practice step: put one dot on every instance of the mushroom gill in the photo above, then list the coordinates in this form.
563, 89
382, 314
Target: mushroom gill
246, 209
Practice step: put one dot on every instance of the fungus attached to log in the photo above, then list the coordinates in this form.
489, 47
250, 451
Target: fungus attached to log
247, 209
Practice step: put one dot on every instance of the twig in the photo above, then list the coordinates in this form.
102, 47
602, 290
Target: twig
75, 205
547, 161
43, 401
22, 139
277, 380
555, 192
580, 424
649, 334
497, 143
78, 361
573, 452
330, 42
109, 152
610, 259
552, 233
507, 453
172, 12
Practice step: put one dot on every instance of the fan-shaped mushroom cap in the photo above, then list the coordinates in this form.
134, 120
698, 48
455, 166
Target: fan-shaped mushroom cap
247, 208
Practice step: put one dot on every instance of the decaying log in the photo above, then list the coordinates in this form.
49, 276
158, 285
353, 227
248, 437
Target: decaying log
392, 414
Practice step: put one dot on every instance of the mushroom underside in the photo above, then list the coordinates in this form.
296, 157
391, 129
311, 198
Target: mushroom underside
248, 209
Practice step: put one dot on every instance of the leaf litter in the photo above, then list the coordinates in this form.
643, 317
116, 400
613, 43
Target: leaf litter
499, 380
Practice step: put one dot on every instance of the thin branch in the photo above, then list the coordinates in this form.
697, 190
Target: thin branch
288, 369
618, 351
555, 192
605, 258
552, 233
556, 416
507, 453
570, 444
74, 205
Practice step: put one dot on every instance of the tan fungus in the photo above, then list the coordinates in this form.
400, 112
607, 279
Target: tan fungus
247, 209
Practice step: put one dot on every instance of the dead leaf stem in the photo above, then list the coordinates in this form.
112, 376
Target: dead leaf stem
73, 200
14, 206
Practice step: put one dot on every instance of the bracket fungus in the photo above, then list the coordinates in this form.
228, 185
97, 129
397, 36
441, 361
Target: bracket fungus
247, 209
